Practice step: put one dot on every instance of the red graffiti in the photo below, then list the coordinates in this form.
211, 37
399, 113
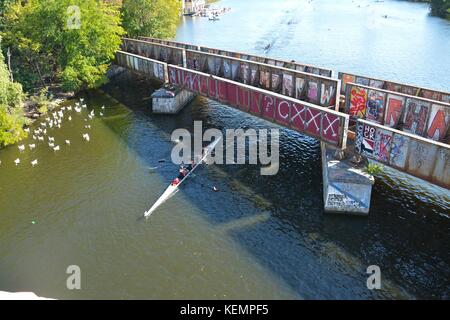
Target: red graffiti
438, 126
393, 112
358, 100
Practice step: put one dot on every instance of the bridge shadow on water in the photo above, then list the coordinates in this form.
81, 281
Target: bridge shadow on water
279, 219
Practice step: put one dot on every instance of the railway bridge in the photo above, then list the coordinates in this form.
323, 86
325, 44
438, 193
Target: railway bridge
402, 126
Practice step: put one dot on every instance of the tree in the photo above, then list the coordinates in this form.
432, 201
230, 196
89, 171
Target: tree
11, 101
72, 41
151, 18
440, 7
3, 5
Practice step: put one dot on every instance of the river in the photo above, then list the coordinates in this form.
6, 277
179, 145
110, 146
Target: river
259, 237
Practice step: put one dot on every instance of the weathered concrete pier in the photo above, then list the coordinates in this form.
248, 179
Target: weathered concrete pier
347, 188
170, 100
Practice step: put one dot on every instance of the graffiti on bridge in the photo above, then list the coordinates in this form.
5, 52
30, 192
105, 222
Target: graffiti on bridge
314, 121
415, 155
419, 116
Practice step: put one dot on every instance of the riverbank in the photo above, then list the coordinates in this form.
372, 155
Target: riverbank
437, 8
46, 100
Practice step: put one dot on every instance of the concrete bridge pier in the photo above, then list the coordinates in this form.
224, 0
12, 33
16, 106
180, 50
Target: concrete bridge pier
170, 100
347, 188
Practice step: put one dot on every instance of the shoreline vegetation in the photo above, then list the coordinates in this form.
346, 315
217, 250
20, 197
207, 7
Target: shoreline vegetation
438, 8
51, 50
43, 63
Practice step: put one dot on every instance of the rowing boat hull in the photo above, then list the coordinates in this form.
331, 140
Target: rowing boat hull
172, 189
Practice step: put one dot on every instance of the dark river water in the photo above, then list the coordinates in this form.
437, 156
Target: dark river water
260, 236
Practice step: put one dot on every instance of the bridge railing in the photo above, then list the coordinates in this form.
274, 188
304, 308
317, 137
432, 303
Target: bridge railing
161, 52
322, 123
319, 90
411, 114
153, 68
315, 89
420, 157
245, 56
393, 86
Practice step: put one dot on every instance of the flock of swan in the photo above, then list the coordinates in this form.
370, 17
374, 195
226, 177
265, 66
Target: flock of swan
53, 121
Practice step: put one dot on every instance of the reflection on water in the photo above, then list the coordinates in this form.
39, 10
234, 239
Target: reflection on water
259, 237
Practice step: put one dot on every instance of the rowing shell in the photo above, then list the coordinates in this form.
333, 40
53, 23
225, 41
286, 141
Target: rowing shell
172, 189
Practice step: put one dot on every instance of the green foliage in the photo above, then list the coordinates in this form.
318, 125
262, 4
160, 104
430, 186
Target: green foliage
152, 18
11, 126
373, 169
12, 118
43, 100
10, 93
3, 5
440, 8
49, 43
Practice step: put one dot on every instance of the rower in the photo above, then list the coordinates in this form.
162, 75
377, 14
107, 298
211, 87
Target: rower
183, 173
190, 166
175, 182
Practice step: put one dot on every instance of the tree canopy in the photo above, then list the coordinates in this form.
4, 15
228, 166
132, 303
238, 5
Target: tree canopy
151, 18
11, 113
72, 41
440, 8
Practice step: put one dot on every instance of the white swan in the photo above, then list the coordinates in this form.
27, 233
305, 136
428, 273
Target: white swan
86, 137
17, 161
34, 163
56, 148
32, 146
22, 148
68, 142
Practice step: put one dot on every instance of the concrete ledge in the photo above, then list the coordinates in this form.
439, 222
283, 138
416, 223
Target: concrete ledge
346, 188
170, 101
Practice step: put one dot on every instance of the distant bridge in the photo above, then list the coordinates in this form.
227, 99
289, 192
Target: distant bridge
402, 126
